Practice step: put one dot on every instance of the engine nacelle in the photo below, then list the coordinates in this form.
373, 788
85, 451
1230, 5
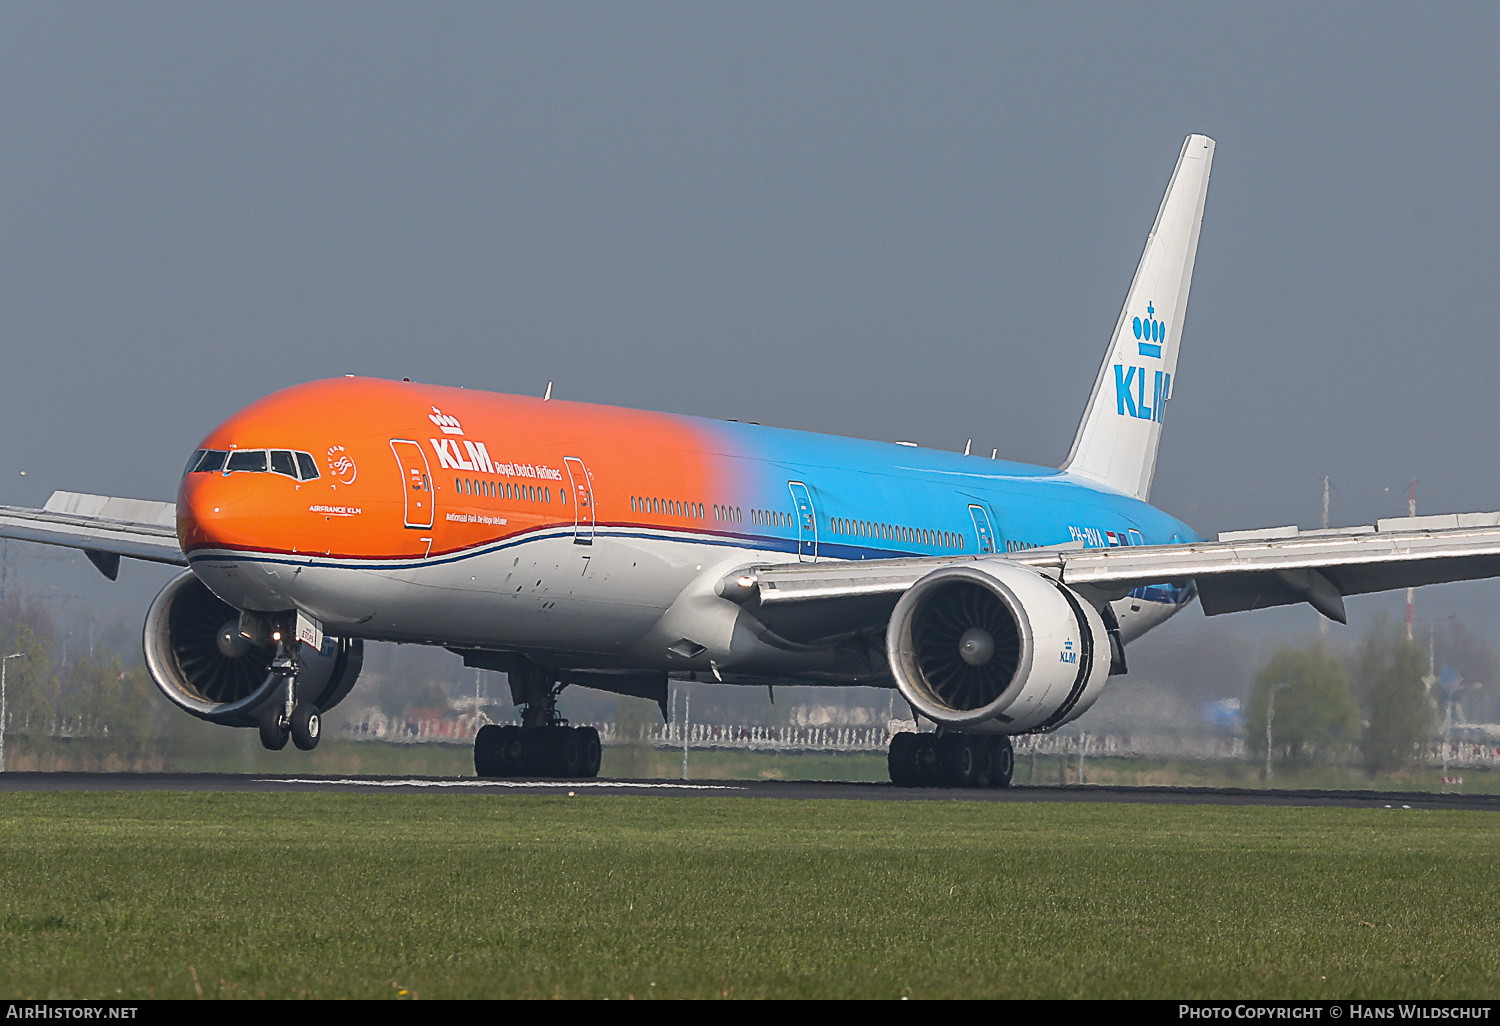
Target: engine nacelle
211, 661
995, 647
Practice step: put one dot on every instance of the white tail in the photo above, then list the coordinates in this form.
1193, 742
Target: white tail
1121, 428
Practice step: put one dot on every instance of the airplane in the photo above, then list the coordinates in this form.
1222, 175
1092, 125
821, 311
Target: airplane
570, 544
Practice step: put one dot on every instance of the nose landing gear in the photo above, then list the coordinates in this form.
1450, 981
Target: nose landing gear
289, 718
544, 745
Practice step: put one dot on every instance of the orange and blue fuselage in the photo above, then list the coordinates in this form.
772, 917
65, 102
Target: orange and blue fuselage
416, 512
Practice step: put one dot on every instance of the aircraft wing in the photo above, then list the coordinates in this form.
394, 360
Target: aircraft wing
105, 527
1242, 570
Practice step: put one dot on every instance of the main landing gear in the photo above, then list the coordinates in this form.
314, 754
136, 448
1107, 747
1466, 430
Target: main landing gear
543, 745
951, 760
289, 718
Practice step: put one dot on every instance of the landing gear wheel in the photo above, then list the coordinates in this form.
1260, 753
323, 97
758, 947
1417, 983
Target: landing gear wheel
984, 762
273, 732
570, 752
904, 759
593, 752
487, 753
510, 751
1004, 762
307, 726
957, 759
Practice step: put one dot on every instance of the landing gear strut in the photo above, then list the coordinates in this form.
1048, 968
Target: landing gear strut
544, 744
951, 760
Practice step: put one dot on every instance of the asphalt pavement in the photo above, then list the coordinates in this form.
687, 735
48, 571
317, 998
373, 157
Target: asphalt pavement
786, 789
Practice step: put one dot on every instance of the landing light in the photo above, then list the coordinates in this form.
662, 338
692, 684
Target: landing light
745, 581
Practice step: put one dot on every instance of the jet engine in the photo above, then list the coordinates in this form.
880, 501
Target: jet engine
995, 647
214, 661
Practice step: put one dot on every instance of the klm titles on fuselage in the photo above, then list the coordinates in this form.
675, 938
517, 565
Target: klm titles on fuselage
1130, 381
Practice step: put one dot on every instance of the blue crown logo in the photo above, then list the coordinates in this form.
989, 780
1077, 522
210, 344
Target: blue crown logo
1150, 331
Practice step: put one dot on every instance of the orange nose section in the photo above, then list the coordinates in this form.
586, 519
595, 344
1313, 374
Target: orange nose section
215, 511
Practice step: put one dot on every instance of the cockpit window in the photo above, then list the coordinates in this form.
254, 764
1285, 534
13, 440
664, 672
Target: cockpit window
206, 461
252, 460
299, 466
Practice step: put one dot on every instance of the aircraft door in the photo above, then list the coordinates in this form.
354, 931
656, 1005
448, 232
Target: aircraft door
583, 500
416, 480
982, 527
807, 522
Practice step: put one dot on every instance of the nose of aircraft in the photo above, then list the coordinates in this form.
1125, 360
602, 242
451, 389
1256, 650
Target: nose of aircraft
216, 511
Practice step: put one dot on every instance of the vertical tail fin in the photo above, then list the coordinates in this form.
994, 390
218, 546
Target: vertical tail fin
1121, 428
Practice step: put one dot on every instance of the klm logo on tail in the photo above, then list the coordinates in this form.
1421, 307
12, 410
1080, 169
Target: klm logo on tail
1130, 393
1130, 382
1151, 332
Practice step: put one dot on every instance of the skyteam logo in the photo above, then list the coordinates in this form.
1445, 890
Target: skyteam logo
1150, 331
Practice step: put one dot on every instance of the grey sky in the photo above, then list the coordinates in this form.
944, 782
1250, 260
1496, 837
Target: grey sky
908, 221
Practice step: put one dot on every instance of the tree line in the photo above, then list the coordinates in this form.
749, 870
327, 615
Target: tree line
1378, 707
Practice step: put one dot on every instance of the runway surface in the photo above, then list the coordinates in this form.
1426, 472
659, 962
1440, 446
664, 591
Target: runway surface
795, 790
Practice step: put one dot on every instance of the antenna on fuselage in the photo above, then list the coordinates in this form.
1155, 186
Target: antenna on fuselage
968, 446
548, 394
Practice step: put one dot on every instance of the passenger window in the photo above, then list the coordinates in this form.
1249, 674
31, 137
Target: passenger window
283, 463
249, 460
308, 466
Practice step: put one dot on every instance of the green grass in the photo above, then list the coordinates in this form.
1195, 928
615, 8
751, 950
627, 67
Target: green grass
353, 895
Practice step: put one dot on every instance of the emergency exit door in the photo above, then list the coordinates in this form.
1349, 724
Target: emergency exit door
416, 480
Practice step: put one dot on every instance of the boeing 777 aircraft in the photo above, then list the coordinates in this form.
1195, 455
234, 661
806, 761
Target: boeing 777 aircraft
571, 544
